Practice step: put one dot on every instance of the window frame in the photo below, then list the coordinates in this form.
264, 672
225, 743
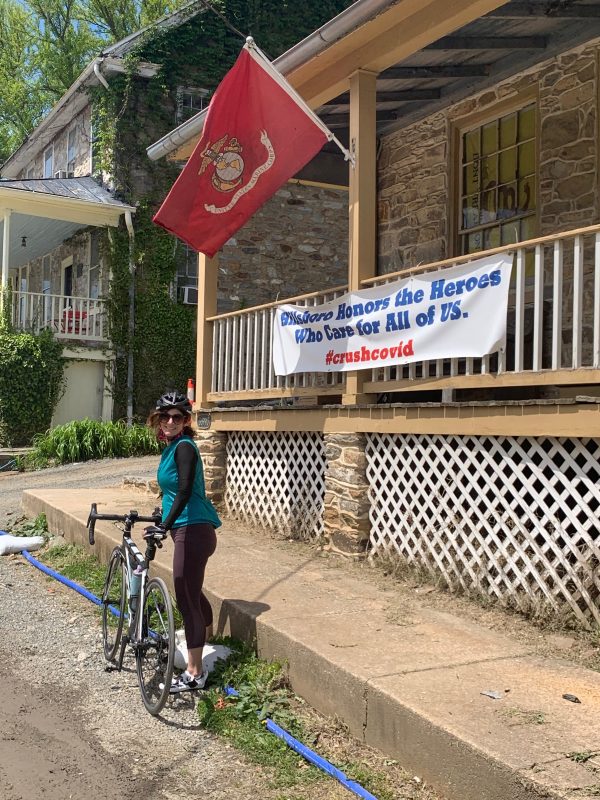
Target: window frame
199, 91
49, 173
94, 268
462, 125
70, 162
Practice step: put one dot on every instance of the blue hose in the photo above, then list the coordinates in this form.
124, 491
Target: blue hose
311, 756
271, 726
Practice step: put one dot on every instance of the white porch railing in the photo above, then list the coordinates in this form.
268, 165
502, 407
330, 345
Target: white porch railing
553, 325
553, 318
80, 318
242, 357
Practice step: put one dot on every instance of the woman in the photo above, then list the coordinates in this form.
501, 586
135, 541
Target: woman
191, 519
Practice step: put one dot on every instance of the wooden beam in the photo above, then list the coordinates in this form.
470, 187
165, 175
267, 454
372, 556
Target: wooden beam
488, 43
518, 10
208, 271
401, 96
389, 38
435, 71
343, 116
362, 201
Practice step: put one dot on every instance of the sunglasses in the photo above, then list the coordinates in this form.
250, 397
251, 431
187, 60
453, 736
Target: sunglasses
173, 417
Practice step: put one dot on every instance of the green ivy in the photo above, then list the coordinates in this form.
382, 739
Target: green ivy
31, 383
128, 117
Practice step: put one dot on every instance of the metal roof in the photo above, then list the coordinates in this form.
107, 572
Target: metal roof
45, 212
86, 189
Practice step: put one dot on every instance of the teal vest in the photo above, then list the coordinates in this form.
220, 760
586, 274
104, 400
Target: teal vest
199, 507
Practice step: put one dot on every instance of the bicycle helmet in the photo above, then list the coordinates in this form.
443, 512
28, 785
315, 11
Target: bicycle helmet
174, 400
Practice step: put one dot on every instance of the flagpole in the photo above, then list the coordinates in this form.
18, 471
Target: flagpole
281, 81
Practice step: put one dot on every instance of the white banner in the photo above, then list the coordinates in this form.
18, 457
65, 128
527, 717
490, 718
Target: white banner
458, 312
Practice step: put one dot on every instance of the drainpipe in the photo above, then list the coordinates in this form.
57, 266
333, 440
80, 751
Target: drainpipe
129, 223
99, 75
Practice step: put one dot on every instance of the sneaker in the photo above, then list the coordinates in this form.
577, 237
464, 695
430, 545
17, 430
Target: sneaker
188, 683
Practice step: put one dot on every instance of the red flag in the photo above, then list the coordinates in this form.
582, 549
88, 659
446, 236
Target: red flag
255, 137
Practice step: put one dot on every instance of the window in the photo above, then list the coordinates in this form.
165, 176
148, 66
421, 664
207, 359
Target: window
29, 173
187, 270
71, 139
190, 101
49, 162
95, 270
67, 278
498, 182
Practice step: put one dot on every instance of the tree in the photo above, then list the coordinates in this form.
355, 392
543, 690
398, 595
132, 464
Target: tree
45, 46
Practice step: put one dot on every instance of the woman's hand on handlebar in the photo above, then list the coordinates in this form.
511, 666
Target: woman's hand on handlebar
155, 532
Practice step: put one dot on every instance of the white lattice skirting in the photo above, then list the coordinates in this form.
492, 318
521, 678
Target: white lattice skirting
277, 480
516, 518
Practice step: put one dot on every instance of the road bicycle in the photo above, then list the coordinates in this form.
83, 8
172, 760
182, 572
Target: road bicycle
130, 595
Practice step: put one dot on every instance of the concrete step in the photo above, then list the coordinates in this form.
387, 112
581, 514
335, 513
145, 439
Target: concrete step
413, 690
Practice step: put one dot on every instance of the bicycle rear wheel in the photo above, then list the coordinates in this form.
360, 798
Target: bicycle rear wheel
155, 653
113, 604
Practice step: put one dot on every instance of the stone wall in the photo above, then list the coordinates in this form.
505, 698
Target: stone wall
415, 202
296, 243
346, 502
212, 446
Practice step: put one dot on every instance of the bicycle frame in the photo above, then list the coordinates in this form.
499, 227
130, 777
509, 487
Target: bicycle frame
133, 558
151, 629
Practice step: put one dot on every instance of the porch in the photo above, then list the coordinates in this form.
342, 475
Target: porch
553, 336
76, 318
484, 472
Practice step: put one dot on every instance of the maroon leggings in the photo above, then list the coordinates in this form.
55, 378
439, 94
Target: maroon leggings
194, 544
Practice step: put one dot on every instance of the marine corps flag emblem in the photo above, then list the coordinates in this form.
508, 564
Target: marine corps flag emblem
256, 135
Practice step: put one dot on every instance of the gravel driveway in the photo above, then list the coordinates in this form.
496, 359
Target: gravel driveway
92, 474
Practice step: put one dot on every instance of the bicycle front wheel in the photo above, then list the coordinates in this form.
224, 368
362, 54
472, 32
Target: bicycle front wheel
155, 652
113, 604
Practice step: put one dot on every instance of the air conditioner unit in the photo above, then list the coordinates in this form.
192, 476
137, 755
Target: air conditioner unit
62, 173
189, 295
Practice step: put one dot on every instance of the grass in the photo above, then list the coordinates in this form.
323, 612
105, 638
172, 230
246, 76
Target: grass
521, 717
76, 565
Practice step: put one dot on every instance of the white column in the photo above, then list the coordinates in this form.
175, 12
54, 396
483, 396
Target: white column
5, 244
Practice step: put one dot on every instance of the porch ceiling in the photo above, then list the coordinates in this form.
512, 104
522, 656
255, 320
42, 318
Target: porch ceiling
47, 212
503, 42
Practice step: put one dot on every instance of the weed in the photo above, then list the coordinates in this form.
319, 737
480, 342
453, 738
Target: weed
581, 757
31, 527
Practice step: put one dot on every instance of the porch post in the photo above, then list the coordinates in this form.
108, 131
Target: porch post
5, 248
208, 273
362, 203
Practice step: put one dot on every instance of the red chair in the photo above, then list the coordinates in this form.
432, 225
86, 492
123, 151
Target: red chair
73, 321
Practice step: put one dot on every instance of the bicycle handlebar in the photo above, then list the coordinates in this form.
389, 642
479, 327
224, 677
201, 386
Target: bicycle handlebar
132, 517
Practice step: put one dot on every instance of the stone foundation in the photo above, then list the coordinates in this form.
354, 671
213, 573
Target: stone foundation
346, 502
213, 450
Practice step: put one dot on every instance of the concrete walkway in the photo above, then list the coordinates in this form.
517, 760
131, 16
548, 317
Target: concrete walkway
413, 691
